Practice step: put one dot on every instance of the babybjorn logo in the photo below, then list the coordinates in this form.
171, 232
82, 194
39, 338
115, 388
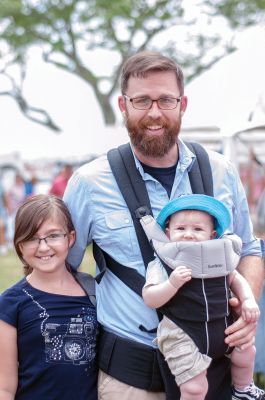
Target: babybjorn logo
215, 265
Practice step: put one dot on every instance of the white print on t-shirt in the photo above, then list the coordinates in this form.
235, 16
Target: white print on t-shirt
73, 342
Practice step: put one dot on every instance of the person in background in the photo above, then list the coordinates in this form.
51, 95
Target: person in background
60, 181
30, 185
260, 336
3, 216
16, 195
152, 103
191, 336
48, 325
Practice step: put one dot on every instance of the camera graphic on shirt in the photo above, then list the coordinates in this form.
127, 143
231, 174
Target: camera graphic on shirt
69, 343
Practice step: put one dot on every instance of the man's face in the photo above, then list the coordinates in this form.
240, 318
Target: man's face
153, 132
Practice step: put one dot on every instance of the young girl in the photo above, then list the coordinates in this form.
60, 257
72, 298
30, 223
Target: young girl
48, 326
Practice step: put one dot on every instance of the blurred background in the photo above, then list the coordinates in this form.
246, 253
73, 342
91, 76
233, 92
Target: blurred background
60, 62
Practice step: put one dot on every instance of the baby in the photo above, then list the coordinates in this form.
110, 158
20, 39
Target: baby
196, 310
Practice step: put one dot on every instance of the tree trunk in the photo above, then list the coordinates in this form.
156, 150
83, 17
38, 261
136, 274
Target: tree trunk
106, 109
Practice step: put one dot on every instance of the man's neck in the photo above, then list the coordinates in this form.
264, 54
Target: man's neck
168, 160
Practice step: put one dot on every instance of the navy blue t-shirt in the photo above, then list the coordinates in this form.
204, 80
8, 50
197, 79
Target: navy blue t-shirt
164, 175
57, 338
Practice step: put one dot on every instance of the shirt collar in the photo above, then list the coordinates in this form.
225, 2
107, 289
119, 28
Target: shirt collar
186, 158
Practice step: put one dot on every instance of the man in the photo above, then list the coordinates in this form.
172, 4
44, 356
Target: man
152, 104
3, 206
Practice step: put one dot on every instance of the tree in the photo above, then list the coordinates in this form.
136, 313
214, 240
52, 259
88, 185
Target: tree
239, 12
69, 31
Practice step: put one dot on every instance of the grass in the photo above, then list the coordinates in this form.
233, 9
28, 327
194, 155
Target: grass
11, 269
259, 379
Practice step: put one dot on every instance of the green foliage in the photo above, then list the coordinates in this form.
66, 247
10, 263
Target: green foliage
259, 380
238, 12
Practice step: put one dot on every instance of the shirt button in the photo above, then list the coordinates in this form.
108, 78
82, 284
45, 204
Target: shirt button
127, 220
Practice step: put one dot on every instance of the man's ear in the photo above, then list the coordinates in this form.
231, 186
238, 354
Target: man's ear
122, 104
183, 105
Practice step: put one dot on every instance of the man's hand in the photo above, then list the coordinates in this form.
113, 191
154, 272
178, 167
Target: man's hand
241, 333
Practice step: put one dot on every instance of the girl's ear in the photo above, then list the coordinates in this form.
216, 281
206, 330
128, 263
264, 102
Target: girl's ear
21, 248
71, 238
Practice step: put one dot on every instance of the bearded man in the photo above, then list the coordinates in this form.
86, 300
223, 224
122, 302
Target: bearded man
152, 103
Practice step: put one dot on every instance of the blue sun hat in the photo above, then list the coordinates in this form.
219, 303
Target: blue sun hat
199, 202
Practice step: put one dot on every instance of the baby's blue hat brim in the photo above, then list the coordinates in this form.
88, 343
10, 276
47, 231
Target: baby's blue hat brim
199, 202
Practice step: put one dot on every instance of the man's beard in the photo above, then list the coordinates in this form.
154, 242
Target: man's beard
152, 145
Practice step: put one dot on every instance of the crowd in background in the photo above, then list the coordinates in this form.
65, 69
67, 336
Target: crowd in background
16, 190
21, 184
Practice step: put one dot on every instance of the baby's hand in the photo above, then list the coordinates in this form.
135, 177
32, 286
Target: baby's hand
250, 310
179, 276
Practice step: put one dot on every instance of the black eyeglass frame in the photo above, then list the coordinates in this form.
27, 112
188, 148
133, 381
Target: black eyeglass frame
36, 241
131, 100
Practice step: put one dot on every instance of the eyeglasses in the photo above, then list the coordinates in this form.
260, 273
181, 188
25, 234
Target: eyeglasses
51, 240
145, 103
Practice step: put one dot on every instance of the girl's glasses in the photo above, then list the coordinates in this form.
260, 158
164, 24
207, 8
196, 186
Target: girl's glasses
51, 240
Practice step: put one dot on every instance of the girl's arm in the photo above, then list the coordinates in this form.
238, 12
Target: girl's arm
156, 295
8, 361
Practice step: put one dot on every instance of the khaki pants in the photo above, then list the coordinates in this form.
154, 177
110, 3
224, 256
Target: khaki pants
180, 352
111, 389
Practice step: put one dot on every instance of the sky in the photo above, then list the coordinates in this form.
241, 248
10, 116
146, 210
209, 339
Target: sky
222, 96
226, 94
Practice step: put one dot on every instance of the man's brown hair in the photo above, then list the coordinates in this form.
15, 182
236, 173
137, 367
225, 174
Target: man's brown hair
140, 64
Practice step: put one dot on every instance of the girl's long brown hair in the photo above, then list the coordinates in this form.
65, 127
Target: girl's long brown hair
30, 216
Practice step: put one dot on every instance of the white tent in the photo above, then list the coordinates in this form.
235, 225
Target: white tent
229, 100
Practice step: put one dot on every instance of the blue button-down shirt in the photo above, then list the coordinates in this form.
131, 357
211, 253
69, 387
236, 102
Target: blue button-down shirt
99, 213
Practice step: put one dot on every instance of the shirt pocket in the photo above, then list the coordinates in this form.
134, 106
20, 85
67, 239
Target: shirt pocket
122, 235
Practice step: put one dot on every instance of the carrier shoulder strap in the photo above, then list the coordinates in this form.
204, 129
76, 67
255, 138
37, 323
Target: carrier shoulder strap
135, 194
88, 284
200, 175
136, 197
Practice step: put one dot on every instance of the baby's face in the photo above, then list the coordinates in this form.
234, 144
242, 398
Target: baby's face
190, 225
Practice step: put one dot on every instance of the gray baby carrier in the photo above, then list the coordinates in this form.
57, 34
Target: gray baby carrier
199, 256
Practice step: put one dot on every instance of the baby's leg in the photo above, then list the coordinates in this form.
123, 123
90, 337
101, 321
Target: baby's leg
242, 367
184, 359
195, 388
